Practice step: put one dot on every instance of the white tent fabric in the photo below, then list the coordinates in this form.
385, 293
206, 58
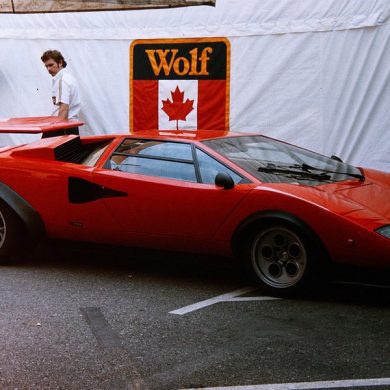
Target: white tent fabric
314, 73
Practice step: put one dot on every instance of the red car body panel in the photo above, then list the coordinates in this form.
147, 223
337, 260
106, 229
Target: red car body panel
187, 216
345, 229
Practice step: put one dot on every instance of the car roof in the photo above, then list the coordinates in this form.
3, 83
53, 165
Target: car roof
188, 135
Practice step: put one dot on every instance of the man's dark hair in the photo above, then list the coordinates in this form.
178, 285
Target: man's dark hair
54, 55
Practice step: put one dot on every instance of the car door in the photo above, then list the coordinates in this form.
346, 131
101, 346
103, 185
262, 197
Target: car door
166, 194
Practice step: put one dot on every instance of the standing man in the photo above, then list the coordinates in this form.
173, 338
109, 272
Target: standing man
65, 92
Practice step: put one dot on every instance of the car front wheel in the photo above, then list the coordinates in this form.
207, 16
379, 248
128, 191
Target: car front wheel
282, 259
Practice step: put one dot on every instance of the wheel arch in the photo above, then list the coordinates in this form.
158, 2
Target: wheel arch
24, 211
265, 218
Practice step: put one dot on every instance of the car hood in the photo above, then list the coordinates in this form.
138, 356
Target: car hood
370, 196
363, 202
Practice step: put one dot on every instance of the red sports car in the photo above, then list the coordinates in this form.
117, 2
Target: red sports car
285, 211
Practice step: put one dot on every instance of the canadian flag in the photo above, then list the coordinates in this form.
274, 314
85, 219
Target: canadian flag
180, 84
179, 104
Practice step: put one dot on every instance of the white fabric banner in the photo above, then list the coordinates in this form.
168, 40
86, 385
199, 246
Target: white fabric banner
313, 73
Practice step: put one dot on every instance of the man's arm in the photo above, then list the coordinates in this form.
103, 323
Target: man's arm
63, 111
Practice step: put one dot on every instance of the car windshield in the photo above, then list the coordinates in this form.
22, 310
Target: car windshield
273, 161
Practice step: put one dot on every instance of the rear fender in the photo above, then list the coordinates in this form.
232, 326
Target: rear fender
27, 214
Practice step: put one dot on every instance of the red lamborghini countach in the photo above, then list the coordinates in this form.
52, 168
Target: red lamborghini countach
285, 211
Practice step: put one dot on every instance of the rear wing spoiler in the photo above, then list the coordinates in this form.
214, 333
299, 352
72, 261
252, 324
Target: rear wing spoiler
36, 125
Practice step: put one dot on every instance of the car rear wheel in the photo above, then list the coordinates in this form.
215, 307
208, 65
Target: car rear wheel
282, 259
13, 240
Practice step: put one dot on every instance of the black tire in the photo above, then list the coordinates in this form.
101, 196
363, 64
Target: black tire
283, 259
13, 236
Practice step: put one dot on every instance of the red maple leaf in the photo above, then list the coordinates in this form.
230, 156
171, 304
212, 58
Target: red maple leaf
177, 109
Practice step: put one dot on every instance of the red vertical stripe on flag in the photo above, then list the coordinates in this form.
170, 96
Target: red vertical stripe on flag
212, 105
145, 105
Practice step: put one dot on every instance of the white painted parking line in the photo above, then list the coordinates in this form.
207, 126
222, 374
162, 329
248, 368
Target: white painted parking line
228, 297
307, 385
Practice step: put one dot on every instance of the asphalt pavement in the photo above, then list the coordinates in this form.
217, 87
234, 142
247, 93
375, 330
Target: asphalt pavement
76, 317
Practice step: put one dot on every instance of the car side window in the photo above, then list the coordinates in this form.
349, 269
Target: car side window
209, 168
155, 158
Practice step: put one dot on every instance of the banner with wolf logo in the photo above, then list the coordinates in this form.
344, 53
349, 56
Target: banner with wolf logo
180, 84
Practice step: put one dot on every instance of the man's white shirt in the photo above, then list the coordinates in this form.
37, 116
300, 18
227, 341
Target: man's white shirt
65, 90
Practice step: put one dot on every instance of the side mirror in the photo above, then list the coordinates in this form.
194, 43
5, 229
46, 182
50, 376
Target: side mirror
224, 180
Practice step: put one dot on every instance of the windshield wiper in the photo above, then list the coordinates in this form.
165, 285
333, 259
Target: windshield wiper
309, 168
305, 171
295, 171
